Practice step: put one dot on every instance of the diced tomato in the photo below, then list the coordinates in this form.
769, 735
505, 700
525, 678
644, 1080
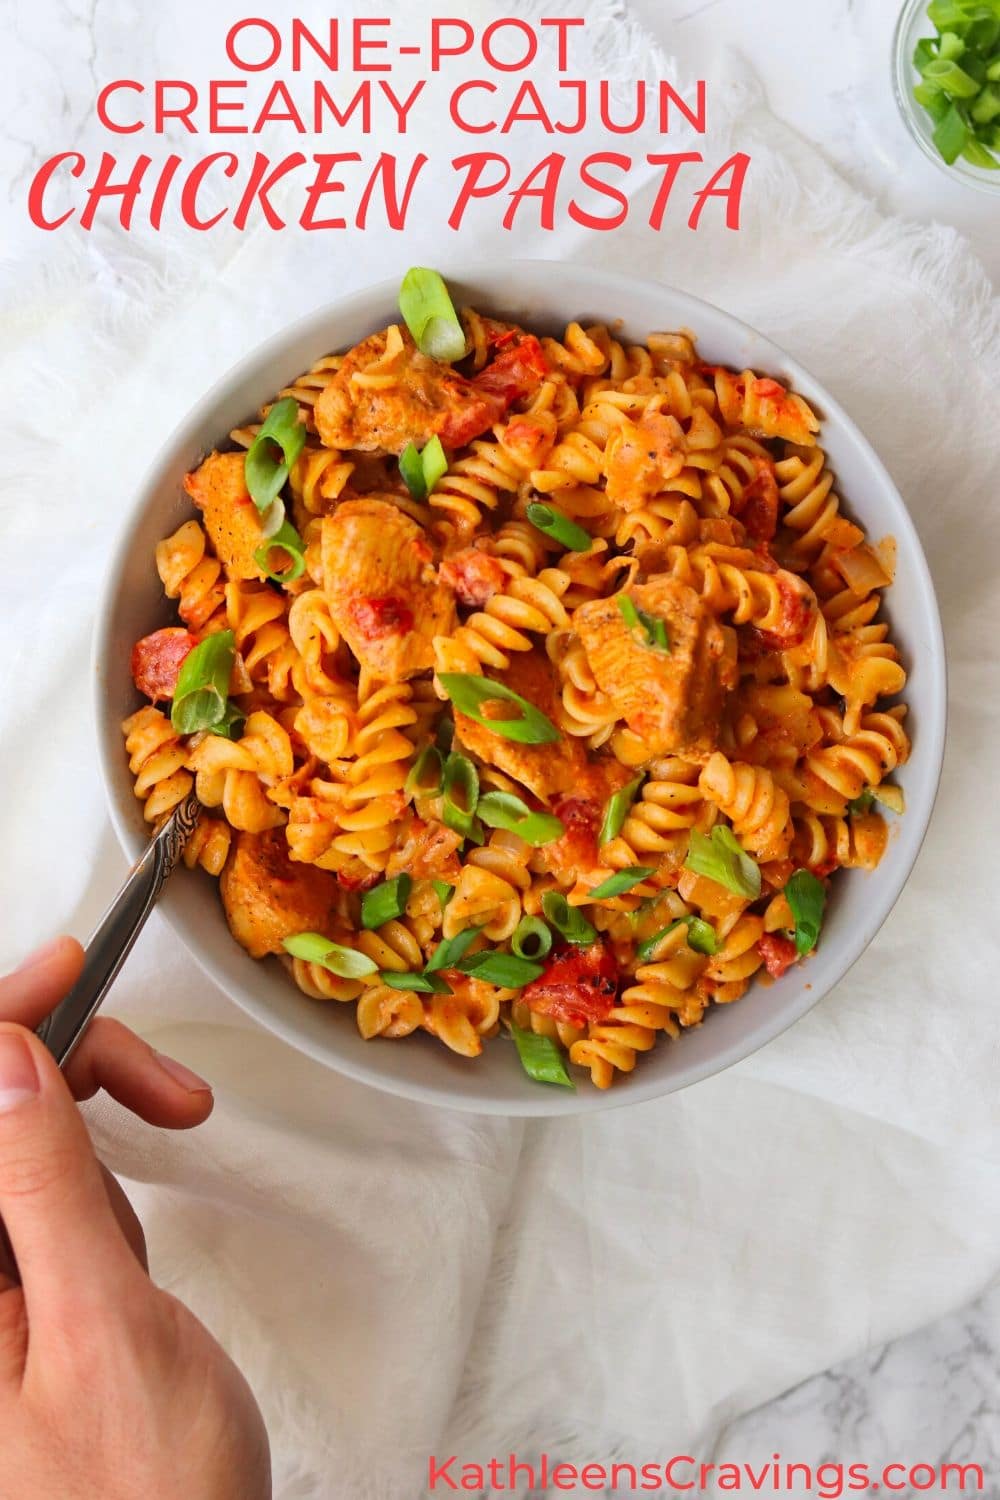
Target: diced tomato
464, 422
357, 877
474, 575
378, 617
778, 953
797, 612
498, 334
156, 660
758, 508
765, 386
577, 848
516, 372
578, 985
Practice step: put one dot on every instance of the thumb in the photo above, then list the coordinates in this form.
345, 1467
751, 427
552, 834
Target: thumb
63, 1232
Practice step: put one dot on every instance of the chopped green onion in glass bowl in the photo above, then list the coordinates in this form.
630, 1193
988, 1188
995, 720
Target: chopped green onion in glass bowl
946, 73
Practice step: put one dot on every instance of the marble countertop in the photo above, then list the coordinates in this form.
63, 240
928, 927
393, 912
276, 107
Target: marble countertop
933, 1396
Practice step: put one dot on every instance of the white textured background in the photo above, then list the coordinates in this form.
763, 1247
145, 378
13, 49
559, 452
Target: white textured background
105, 343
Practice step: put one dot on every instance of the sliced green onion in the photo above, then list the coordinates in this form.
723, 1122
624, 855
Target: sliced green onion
722, 859
468, 691
444, 891
385, 902
629, 612
552, 522
986, 107
314, 948
444, 733
273, 518
950, 135
946, 13
923, 53
701, 936
568, 920
540, 1057
202, 691
281, 431
983, 35
950, 78
430, 315
958, 69
233, 719
425, 984
504, 969
976, 153
936, 104
651, 627
531, 939
861, 804
422, 470
807, 898
426, 775
412, 471
447, 953
504, 810
461, 793
288, 539
622, 881
890, 796
617, 811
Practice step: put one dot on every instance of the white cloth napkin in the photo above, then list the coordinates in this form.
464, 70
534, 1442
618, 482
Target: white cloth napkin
398, 1282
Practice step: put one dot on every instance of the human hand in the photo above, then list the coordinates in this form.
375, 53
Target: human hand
111, 1057
108, 1386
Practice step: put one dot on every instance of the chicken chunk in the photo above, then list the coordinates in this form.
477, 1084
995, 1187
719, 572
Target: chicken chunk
642, 458
474, 574
427, 852
547, 770
232, 521
384, 594
671, 698
420, 399
267, 898
387, 394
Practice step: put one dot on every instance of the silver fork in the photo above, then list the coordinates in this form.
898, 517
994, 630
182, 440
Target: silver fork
112, 941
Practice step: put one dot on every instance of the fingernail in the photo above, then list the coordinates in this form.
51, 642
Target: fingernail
40, 956
184, 1076
18, 1075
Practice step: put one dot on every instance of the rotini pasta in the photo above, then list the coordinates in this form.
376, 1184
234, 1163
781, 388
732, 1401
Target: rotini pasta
552, 737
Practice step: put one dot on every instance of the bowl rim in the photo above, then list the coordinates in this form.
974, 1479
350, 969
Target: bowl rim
902, 87
551, 1102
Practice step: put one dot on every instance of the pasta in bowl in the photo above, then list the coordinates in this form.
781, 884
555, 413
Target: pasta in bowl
536, 688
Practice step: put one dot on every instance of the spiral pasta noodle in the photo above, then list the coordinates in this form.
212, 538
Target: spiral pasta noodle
190, 574
159, 762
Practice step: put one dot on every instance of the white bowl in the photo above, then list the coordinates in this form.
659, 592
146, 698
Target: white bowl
544, 296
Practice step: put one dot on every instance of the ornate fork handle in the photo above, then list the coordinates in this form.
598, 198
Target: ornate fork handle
118, 929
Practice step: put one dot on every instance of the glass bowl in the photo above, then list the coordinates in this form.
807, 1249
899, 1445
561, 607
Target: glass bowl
911, 26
